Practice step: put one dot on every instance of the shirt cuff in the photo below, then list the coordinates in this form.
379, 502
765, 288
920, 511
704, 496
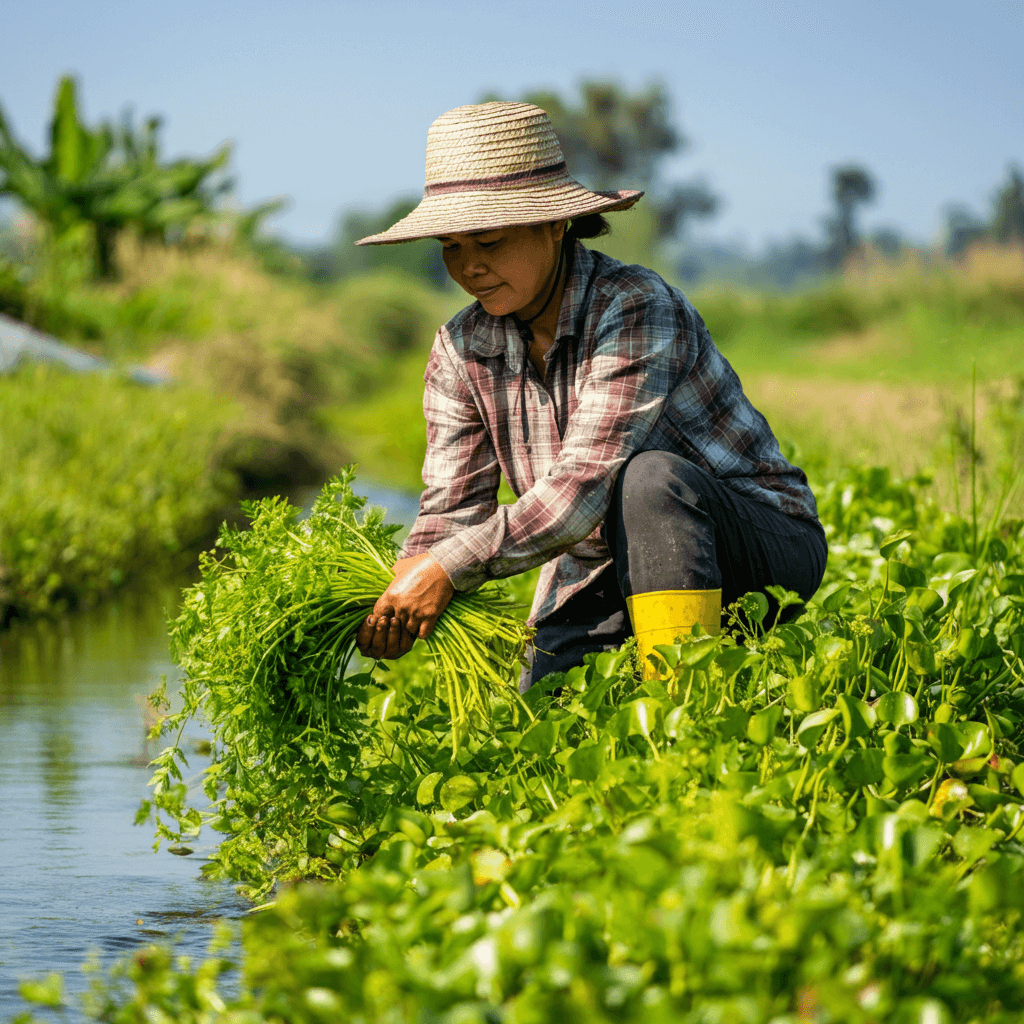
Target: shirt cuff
458, 560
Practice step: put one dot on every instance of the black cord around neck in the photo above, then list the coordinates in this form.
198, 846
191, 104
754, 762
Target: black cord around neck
524, 325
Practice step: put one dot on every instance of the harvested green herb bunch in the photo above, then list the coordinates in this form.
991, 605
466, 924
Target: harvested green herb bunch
266, 640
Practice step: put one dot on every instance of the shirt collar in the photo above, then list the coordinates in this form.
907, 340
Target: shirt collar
494, 335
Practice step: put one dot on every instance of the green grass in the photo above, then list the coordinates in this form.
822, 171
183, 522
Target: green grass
102, 480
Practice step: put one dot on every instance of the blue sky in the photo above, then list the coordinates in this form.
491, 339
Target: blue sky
329, 103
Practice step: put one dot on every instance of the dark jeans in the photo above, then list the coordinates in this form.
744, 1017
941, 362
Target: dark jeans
673, 526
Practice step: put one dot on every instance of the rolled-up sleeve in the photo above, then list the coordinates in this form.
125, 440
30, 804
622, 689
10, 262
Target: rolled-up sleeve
641, 349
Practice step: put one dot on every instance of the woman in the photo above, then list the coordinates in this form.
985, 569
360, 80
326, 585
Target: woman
648, 486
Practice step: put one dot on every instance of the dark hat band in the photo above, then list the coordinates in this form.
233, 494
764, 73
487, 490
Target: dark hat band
496, 181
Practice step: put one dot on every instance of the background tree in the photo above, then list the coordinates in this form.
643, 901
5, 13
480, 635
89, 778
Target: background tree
614, 139
852, 186
94, 183
343, 258
1008, 215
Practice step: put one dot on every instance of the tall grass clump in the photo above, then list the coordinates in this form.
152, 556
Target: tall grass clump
101, 480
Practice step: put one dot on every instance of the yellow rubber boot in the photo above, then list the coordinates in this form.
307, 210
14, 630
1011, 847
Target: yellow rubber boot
660, 616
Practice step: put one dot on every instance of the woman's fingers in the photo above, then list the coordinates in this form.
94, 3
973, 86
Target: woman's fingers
383, 637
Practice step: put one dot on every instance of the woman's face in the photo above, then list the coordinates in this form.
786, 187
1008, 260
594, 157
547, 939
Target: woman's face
509, 270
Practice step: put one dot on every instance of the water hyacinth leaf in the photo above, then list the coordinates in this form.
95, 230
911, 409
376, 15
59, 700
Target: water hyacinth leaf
459, 791
699, 653
927, 600
540, 738
969, 644
733, 721
836, 597
608, 663
669, 653
761, 728
945, 741
645, 714
921, 658
864, 768
731, 659
813, 726
975, 739
959, 581
1017, 778
922, 843
972, 843
858, 718
968, 766
948, 563
906, 576
585, 763
951, 798
904, 769
805, 693
426, 791
896, 708
893, 541
985, 798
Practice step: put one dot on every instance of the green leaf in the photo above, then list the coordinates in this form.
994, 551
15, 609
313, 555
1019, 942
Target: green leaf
805, 693
585, 763
904, 575
864, 767
972, 843
761, 728
755, 606
975, 739
893, 541
382, 706
733, 722
540, 738
731, 659
927, 600
645, 714
426, 791
813, 726
904, 769
837, 597
858, 718
945, 741
48, 992
459, 791
921, 658
608, 664
896, 708
1017, 778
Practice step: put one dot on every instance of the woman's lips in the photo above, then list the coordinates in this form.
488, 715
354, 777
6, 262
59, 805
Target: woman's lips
482, 293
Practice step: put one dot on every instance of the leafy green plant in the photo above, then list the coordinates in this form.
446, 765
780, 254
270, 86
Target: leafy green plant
819, 819
266, 640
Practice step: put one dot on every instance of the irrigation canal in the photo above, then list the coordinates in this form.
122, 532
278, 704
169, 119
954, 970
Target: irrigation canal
77, 879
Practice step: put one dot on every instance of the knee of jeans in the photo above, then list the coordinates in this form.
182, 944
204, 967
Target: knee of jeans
648, 478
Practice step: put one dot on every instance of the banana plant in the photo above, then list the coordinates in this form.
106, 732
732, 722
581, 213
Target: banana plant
99, 181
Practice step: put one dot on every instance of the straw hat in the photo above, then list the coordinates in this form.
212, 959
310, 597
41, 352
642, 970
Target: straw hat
493, 165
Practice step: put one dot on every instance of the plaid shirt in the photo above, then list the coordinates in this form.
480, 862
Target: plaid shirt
633, 368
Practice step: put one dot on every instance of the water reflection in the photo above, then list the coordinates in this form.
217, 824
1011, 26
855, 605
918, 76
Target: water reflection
77, 876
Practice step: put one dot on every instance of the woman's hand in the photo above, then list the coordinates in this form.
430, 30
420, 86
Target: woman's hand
408, 610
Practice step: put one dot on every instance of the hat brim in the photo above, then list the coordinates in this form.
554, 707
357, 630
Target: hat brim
461, 212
